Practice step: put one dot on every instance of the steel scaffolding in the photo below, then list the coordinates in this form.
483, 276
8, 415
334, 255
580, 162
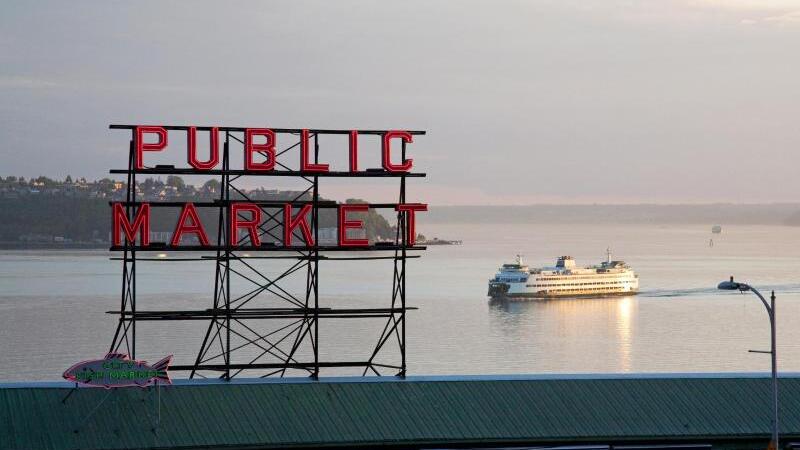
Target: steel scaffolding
269, 328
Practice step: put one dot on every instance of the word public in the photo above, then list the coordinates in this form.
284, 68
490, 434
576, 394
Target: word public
132, 221
262, 141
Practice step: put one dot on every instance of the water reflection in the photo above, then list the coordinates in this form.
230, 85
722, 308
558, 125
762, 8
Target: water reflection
625, 306
679, 322
600, 328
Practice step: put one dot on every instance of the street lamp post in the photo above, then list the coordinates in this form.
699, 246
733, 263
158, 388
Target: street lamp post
742, 287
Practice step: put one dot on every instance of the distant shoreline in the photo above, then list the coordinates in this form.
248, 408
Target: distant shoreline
690, 214
11, 245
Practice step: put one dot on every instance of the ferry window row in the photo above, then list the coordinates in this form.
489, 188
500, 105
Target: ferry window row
589, 289
606, 283
575, 277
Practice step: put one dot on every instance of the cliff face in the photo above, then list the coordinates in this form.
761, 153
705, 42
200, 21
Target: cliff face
49, 217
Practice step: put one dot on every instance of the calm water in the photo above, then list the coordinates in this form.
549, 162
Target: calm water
52, 304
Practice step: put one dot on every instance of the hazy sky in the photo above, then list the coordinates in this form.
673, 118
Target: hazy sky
525, 102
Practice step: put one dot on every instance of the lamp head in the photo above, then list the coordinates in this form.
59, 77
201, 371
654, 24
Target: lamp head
733, 286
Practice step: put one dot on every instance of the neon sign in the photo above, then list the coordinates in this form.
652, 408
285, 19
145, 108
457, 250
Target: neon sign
262, 142
118, 370
233, 224
246, 218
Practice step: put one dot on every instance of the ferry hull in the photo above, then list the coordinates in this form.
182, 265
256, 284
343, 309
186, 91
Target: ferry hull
541, 296
519, 291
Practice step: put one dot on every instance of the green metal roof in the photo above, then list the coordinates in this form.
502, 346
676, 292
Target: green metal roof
417, 411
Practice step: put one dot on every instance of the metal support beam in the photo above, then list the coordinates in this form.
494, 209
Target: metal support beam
256, 321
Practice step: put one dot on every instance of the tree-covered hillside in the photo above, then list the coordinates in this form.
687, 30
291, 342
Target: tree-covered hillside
40, 211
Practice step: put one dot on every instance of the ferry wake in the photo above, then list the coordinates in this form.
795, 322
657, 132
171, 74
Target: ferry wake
566, 279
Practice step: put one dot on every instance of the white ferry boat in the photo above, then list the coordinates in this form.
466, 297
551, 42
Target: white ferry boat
566, 279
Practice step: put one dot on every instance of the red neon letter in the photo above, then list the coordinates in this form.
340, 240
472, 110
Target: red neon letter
345, 224
141, 224
267, 149
250, 224
354, 151
191, 145
305, 165
409, 209
189, 212
387, 151
142, 147
290, 224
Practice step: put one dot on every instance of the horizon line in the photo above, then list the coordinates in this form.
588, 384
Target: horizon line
714, 203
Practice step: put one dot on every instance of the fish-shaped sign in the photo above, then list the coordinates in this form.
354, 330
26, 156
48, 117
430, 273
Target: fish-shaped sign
118, 370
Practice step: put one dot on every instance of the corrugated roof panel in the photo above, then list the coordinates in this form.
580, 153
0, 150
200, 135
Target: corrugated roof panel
407, 412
